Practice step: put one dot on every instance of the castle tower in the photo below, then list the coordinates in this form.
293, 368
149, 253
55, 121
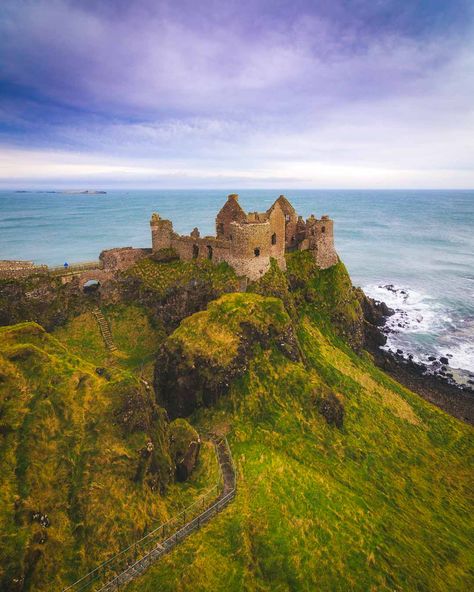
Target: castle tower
320, 236
250, 248
230, 212
291, 221
276, 217
161, 233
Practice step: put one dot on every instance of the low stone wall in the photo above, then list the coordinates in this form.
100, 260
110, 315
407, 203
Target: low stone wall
10, 269
207, 247
122, 258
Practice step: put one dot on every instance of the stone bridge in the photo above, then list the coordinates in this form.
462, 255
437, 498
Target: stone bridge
82, 277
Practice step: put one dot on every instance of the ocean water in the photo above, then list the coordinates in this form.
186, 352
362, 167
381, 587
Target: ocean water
419, 242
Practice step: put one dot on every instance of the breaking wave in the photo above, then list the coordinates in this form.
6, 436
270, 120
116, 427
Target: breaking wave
425, 328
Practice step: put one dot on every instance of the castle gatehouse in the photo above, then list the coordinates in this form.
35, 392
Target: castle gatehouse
247, 241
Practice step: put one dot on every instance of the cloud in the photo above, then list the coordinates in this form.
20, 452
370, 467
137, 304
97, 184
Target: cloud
244, 89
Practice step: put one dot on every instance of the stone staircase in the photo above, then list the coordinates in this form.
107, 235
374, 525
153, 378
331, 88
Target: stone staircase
104, 329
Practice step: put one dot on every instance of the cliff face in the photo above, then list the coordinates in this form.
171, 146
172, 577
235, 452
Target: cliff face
85, 458
336, 461
41, 299
199, 360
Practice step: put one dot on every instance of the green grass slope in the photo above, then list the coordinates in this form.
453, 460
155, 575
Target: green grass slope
75, 486
165, 276
383, 503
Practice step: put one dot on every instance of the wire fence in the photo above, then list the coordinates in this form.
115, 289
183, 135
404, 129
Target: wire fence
134, 559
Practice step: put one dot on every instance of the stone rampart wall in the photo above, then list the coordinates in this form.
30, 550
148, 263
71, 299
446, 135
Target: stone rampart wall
122, 258
10, 269
207, 247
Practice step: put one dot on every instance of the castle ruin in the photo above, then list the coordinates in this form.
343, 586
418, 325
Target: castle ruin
248, 241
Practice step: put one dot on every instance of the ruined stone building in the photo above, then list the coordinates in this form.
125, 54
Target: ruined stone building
248, 241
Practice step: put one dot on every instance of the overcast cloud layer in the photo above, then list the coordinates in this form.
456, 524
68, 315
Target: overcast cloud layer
340, 93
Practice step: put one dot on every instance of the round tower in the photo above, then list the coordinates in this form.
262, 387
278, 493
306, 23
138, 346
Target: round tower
321, 241
161, 233
250, 248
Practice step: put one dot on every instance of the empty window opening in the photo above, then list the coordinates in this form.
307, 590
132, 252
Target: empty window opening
257, 252
91, 286
313, 232
274, 238
195, 251
220, 228
323, 229
287, 217
209, 252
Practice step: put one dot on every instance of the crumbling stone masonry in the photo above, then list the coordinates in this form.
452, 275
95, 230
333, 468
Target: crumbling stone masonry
248, 241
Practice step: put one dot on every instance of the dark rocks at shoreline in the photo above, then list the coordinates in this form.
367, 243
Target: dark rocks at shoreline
375, 311
434, 381
439, 389
391, 288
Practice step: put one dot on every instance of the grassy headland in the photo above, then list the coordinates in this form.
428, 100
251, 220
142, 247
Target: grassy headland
346, 480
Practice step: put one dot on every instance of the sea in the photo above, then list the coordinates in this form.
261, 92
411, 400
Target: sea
412, 249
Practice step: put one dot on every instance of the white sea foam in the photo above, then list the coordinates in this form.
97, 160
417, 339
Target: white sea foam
462, 356
460, 344
414, 312
423, 327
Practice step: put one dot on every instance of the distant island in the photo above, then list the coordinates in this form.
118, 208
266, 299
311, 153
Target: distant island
86, 192
68, 192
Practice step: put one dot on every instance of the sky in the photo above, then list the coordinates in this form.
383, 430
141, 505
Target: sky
307, 94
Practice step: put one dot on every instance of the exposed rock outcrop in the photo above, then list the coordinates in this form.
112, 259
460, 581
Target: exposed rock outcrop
210, 349
185, 445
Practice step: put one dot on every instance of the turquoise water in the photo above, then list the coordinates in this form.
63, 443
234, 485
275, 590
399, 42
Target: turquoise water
422, 242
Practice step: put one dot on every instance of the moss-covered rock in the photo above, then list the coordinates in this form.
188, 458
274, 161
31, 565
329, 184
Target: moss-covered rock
42, 299
185, 445
211, 348
173, 290
327, 295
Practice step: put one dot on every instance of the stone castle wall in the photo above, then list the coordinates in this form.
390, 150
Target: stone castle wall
250, 249
248, 241
277, 236
325, 253
207, 247
122, 258
10, 269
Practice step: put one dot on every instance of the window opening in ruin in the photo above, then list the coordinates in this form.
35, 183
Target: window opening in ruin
287, 217
313, 232
220, 228
292, 239
323, 229
91, 286
257, 252
195, 251
274, 238
209, 252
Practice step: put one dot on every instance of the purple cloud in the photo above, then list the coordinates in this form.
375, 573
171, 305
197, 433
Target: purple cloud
241, 85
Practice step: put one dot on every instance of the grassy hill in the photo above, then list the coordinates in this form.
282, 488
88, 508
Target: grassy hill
382, 503
74, 487
346, 480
